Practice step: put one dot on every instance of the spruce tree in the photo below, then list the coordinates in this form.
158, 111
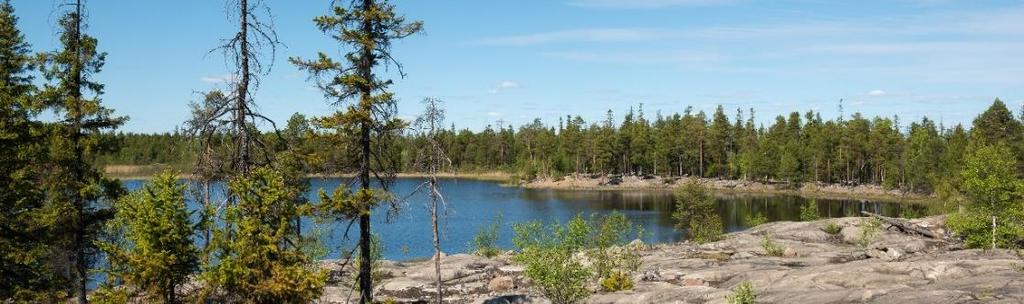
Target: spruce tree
367, 28
78, 195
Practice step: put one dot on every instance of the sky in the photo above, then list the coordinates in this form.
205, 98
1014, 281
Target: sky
513, 61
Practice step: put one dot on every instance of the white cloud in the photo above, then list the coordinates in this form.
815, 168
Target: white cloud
640, 57
493, 114
504, 86
876, 93
216, 79
646, 4
602, 35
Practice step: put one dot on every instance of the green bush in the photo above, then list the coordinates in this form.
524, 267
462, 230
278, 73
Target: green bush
869, 229
771, 248
547, 254
832, 229
550, 255
743, 293
809, 211
486, 240
617, 281
993, 192
752, 219
695, 213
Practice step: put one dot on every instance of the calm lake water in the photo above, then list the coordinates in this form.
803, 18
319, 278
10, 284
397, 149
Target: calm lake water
474, 204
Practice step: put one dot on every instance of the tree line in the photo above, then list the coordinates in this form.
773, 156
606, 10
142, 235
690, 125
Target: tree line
921, 156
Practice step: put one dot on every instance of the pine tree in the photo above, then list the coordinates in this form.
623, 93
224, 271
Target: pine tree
77, 193
25, 272
150, 250
368, 28
259, 259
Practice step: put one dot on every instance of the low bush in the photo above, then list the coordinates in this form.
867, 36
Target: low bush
485, 242
832, 229
771, 248
617, 281
752, 219
743, 293
869, 229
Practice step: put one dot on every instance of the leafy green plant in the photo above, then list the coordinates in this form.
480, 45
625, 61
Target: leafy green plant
376, 256
832, 229
809, 211
617, 281
772, 248
547, 254
606, 253
869, 229
743, 293
752, 219
992, 215
485, 242
695, 213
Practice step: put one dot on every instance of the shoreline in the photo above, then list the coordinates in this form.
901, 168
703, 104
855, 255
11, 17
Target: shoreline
581, 182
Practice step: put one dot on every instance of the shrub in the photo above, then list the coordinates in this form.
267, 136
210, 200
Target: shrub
755, 219
486, 240
547, 254
617, 281
695, 213
832, 229
743, 293
771, 248
150, 250
993, 193
809, 211
376, 256
869, 229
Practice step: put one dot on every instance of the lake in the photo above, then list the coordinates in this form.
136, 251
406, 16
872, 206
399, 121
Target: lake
474, 204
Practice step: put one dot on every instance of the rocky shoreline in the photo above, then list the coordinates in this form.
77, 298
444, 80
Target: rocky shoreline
657, 183
816, 267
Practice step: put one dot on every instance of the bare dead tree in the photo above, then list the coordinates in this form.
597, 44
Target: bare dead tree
431, 158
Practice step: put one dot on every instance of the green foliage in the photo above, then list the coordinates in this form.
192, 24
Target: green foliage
993, 192
752, 219
547, 254
695, 213
376, 257
832, 229
150, 248
551, 255
743, 293
771, 248
869, 230
485, 242
809, 211
255, 252
617, 281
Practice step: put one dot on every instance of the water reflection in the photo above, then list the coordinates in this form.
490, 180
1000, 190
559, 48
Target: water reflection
475, 204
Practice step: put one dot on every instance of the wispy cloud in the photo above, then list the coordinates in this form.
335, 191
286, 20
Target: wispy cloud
493, 114
217, 79
876, 93
504, 86
602, 35
640, 57
646, 4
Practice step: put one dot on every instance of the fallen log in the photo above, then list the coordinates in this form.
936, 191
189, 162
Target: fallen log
903, 225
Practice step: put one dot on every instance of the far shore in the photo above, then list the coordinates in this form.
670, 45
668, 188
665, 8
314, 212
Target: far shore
584, 182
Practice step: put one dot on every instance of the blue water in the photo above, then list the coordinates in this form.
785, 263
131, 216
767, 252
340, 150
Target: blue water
473, 204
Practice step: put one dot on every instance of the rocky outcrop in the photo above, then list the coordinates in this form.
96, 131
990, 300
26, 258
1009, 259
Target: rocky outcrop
892, 267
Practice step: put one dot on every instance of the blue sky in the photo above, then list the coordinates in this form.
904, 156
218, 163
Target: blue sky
517, 60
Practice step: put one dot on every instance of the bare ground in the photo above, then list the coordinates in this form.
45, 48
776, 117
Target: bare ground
893, 267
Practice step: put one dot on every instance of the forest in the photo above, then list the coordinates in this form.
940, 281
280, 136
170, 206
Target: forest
920, 157
70, 233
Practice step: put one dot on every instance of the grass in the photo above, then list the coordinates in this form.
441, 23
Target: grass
771, 248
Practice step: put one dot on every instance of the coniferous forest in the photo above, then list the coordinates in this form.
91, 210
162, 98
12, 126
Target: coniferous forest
70, 232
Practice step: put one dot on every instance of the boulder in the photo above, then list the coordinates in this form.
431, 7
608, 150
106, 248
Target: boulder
501, 284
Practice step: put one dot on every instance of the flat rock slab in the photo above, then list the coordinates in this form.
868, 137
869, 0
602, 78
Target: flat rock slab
893, 267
